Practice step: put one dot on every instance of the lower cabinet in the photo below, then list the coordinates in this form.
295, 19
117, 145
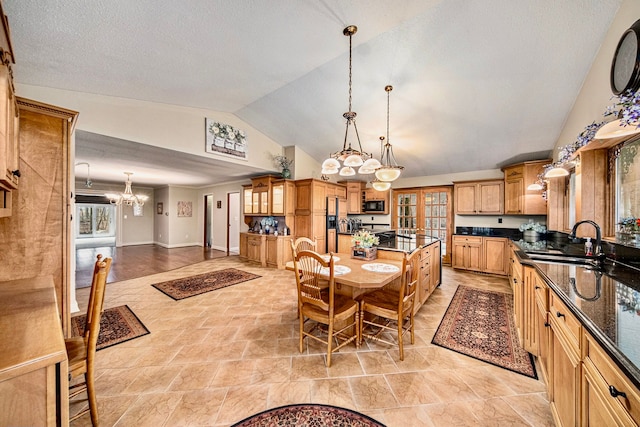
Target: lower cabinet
483, 254
268, 250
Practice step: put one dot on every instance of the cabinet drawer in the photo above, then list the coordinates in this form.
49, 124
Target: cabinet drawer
569, 325
611, 375
468, 239
541, 294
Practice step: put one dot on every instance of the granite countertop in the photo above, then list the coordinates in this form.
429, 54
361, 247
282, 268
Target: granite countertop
605, 299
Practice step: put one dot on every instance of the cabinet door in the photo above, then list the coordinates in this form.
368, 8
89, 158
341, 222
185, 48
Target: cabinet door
271, 251
424, 279
491, 197
354, 198
254, 244
465, 199
459, 254
9, 153
332, 244
248, 201
495, 255
565, 379
255, 202
243, 245
277, 199
513, 195
264, 202
474, 256
542, 325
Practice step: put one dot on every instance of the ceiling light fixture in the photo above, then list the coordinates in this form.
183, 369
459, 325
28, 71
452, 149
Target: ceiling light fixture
127, 198
380, 185
350, 157
88, 183
556, 171
389, 169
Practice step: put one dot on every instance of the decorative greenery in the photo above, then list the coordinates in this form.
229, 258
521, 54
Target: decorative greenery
282, 162
584, 137
364, 239
535, 226
630, 225
227, 132
626, 108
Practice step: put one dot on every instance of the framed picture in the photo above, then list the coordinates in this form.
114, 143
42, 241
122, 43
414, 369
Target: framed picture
137, 210
159, 208
221, 138
185, 209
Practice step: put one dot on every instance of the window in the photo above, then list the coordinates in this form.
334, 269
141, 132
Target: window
627, 191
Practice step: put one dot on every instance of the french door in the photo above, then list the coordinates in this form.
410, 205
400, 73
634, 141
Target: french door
424, 211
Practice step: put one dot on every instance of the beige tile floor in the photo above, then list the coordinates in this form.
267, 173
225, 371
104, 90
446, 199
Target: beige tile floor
214, 359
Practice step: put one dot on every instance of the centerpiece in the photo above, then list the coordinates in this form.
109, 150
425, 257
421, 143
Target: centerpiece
284, 164
363, 245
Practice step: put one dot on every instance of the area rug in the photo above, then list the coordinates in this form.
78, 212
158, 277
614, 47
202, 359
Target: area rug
117, 325
480, 324
308, 415
195, 285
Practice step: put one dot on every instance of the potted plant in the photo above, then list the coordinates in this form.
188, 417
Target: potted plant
284, 164
363, 245
531, 231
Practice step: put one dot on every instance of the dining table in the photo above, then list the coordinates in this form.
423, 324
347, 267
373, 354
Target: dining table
354, 277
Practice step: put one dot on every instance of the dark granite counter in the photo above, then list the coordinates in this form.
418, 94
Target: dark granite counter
605, 299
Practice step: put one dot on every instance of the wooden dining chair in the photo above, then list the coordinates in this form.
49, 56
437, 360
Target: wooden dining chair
81, 350
303, 244
390, 309
333, 310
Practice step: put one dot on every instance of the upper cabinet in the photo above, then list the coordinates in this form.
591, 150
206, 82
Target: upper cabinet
518, 200
9, 121
355, 195
484, 197
268, 195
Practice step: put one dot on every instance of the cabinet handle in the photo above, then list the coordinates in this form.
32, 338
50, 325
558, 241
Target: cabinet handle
615, 393
537, 287
546, 324
558, 314
16, 173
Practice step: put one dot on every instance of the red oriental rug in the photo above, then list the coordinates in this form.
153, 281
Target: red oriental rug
309, 415
480, 324
195, 285
117, 325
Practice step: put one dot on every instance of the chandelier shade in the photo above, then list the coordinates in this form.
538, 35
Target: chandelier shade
349, 156
380, 185
389, 169
556, 172
127, 197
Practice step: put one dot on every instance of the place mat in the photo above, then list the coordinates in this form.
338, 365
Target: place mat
338, 270
379, 267
327, 257
117, 325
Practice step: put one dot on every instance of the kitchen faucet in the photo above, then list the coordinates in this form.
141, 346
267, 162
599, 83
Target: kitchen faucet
598, 249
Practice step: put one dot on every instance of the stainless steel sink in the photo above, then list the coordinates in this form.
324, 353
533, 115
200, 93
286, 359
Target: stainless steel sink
561, 258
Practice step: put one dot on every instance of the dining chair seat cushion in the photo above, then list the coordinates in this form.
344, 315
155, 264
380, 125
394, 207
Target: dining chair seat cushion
345, 307
384, 301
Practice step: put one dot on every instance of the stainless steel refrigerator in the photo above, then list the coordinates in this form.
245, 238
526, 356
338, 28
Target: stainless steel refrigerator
336, 210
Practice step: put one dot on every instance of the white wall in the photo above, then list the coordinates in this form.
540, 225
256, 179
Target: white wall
595, 95
183, 231
161, 222
219, 216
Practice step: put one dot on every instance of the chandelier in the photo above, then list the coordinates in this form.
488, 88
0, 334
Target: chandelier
388, 170
350, 157
127, 197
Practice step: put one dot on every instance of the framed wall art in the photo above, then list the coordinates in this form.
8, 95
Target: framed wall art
159, 208
185, 209
221, 138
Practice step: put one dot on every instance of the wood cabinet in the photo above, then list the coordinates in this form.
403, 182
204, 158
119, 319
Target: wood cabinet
518, 200
266, 249
9, 122
311, 209
529, 311
34, 389
255, 248
495, 255
268, 195
429, 276
31, 245
373, 194
542, 326
564, 385
354, 196
467, 252
247, 196
484, 197
516, 280
282, 198
608, 397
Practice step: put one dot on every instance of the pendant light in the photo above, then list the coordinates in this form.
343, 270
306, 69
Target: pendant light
389, 170
127, 197
350, 157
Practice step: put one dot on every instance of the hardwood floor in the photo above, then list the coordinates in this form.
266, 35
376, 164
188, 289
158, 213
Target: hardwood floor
130, 262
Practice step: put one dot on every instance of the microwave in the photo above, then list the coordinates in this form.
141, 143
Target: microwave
373, 206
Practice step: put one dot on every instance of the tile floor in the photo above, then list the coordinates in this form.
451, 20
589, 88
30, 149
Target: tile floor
214, 359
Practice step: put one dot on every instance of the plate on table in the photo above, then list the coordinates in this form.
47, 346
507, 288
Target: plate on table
338, 270
326, 258
379, 267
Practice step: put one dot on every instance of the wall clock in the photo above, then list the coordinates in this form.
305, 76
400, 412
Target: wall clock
625, 68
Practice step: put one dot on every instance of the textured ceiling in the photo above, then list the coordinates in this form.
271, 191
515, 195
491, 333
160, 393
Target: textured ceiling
476, 83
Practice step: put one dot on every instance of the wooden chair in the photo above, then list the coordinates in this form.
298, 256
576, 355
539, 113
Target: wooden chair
333, 310
303, 244
81, 350
391, 309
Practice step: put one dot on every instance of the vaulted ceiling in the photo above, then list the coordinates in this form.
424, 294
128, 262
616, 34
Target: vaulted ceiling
476, 83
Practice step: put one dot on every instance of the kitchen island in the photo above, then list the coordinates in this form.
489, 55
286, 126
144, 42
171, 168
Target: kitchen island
429, 262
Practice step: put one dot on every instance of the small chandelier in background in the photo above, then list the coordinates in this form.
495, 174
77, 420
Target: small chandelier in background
389, 169
127, 198
88, 183
350, 157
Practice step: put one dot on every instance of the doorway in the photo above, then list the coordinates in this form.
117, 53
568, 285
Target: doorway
233, 223
208, 221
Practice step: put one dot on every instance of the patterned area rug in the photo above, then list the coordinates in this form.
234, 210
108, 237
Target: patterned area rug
117, 325
480, 324
308, 415
195, 285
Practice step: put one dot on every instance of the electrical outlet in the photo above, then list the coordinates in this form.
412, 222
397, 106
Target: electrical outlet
499, 220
